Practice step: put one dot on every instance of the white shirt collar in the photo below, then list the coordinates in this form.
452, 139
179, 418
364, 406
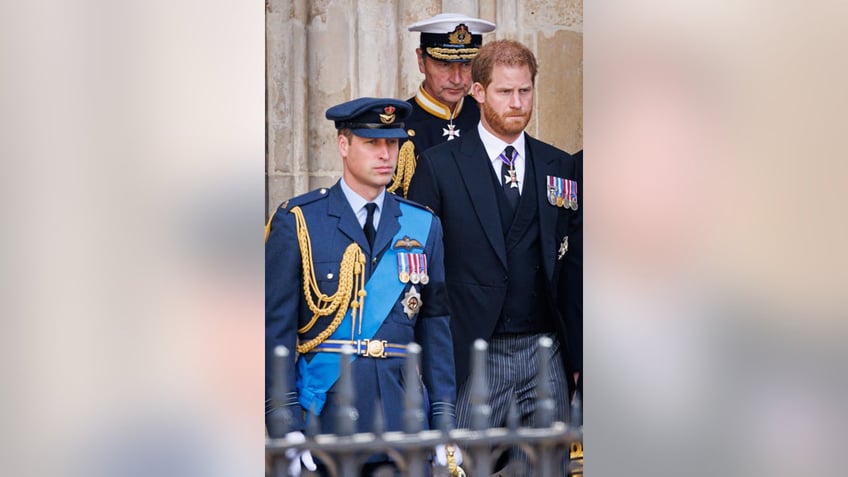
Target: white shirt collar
495, 145
357, 203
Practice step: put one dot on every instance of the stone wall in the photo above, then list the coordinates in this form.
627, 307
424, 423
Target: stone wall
324, 52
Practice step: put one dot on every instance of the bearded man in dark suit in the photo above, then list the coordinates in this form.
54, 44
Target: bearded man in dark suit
508, 205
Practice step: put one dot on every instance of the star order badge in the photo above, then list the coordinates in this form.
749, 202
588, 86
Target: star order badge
411, 302
563, 247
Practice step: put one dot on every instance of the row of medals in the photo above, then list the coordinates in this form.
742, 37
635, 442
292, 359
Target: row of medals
560, 201
416, 276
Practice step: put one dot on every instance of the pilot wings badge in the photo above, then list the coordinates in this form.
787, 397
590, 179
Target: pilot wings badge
407, 243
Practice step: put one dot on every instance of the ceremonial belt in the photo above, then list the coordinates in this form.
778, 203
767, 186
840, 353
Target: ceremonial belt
383, 289
368, 348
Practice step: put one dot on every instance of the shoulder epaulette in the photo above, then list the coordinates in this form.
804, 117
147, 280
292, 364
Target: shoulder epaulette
414, 204
302, 199
306, 198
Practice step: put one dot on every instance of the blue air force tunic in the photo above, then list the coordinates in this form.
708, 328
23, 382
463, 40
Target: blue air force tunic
401, 306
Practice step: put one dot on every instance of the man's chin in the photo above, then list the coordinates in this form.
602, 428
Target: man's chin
452, 97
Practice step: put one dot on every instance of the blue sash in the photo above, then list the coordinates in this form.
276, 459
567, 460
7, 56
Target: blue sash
383, 290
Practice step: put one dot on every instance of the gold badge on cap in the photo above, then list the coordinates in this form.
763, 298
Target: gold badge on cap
460, 35
411, 302
389, 117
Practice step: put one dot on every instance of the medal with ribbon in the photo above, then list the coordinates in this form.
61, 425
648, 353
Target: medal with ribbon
552, 190
403, 267
425, 278
573, 194
414, 268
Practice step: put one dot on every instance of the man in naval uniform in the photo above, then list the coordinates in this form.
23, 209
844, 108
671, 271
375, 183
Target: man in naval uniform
378, 261
508, 204
441, 109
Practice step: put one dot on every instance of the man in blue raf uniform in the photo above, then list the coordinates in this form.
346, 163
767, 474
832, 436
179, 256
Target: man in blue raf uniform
441, 109
353, 265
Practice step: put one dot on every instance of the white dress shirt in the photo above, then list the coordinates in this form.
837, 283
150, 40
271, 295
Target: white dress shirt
357, 204
495, 146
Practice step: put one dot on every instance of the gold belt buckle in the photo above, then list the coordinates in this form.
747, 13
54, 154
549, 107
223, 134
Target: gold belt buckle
375, 348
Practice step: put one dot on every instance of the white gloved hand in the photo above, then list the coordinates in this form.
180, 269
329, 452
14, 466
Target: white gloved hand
442, 455
298, 459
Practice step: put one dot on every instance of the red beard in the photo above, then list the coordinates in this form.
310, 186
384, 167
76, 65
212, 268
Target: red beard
499, 123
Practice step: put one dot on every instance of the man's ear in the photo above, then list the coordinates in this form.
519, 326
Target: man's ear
343, 145
479, 92
420, 55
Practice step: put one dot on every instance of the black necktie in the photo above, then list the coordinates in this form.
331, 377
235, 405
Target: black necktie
510, 188
368, 228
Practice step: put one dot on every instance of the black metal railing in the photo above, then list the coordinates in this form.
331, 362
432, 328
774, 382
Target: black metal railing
552, 448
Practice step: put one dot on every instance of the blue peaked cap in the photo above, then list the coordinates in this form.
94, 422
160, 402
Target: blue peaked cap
372, 117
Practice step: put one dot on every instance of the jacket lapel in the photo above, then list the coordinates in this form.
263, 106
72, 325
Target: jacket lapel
544, 166
348, 224
476, 172
388, 225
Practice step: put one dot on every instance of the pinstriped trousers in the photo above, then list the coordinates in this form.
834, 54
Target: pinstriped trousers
512, 370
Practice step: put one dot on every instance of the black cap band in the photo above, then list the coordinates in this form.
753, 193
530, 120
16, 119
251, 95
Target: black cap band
443, 40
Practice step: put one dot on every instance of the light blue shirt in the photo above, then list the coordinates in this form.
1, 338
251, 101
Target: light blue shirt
495, 146
357, 204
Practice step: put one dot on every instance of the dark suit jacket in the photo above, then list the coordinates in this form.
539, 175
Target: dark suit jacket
332, 228
570, 298
454, 180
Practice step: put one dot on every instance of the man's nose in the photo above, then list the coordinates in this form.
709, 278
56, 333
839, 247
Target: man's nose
383, 149
515, 100
455, 74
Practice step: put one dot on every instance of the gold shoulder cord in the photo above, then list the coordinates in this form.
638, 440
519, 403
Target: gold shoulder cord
268, 224
405, 167
351, 271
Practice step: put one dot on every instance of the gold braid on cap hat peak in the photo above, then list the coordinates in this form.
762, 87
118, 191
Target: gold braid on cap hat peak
351, 277
405, 168
452, 53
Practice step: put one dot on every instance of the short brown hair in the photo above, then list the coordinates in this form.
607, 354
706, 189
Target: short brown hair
501, 52
346, 132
